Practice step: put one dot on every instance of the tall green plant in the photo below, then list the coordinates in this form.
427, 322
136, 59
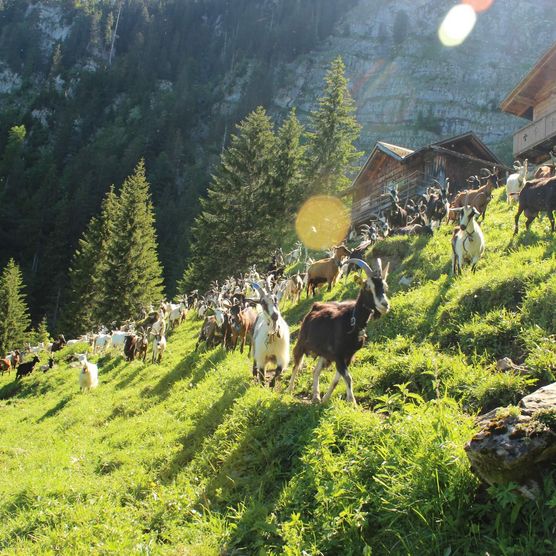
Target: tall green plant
13, 308
235, 227
331, 149
133, 276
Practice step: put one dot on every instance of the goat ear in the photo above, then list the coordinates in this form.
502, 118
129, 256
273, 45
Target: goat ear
476, 212
385, 271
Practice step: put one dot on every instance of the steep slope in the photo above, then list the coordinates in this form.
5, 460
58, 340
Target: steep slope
191, 457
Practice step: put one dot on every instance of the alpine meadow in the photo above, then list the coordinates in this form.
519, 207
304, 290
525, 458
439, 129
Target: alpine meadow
278, 277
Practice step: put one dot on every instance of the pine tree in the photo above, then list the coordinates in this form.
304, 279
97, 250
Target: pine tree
234, 228
289, 181
133, 276
15, 315
331, 151
88, 267
41, 334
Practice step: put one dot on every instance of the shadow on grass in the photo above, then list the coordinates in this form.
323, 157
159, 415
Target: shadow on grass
187, 366
56, 409
205, 426
254, 474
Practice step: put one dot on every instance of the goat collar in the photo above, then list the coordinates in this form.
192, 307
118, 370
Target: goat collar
360, 315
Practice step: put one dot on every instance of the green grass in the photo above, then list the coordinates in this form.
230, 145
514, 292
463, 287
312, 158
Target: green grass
190, 457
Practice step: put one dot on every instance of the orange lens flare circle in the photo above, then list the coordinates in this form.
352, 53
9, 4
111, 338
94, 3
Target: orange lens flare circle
479, 5
322, 222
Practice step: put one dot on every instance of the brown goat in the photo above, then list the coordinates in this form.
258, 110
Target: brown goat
242, 322
478, 198
326, 270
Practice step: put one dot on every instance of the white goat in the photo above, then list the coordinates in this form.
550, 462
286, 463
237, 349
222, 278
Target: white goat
468, 242
101, 342
516, 181
177, 314
159, 347
271, 338
88, 377
118, 339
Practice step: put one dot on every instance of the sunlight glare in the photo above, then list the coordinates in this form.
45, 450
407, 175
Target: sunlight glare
479, 5
322, 222
457, 25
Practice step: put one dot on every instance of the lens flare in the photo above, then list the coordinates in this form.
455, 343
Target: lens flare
457, 25
322, 222
479, 5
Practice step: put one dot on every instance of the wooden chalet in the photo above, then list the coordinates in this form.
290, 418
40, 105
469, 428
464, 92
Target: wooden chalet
534, 98
413, 171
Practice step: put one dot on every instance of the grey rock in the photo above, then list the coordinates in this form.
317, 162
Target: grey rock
515, 444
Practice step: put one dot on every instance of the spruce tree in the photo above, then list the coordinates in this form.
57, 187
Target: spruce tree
289, 181
88, 267
331, 151
133, 276
42, 332
13, 308
234, 228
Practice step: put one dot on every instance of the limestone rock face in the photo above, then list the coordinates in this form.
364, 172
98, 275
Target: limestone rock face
516, 444
411, 90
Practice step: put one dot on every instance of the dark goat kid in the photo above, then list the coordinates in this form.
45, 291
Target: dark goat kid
334, 331
536, 196
26, 368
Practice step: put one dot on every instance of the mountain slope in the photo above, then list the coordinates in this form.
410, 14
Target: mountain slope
191, 457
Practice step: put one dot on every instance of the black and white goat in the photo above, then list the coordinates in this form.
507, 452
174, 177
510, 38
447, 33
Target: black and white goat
271, 337
335, 331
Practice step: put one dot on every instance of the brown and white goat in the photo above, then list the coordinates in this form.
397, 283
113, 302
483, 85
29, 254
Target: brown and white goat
335, 331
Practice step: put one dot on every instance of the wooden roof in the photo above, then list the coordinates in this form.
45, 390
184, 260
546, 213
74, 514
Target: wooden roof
533, 88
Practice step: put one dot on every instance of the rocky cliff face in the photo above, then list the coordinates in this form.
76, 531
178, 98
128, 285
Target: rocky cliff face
410, 89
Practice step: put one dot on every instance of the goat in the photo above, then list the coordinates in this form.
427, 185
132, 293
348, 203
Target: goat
101, 342
88, 377
468, 242
177, 315
397, 216
58, 344
294, 287
242, 323
26, 368
130, 347
118, 339
213, 330
46, 367
478, 198
437, 206
536, 196
159, 347
5, 365
326, 270
142, 345
416, 229
516, 181
271, 338
335, 331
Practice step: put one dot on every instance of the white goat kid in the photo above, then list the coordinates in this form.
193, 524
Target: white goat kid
159, 347
88, 377
516, 181
271, 338
468, 242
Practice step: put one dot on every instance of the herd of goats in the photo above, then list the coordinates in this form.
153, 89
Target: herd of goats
246, 308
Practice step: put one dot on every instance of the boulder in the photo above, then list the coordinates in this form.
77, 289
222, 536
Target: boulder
516, 443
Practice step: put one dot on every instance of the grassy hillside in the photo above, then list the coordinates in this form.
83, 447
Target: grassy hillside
190, 457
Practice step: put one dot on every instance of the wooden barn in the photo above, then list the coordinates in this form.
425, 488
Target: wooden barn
413, 171
534, 98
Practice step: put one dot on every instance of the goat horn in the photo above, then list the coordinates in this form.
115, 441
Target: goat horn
486, 172
258, 288
361, 264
